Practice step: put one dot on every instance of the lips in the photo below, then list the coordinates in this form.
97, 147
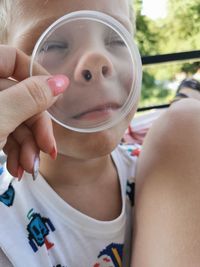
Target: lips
98, 112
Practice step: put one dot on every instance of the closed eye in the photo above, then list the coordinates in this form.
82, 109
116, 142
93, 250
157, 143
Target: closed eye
118, 42
54, 46
113, 39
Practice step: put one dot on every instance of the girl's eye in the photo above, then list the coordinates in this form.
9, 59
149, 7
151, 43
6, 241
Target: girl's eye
54, 47
114, 40
118, 42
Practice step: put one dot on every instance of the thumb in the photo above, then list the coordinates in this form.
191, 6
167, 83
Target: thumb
28, 98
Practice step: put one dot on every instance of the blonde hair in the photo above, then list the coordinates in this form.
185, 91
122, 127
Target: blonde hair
132, 14
9, 11
7, 17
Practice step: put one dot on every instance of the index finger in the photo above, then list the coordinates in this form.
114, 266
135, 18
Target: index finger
16, 64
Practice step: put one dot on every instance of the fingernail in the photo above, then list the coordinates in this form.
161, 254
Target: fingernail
36, 166
20, 173
53, 153
58, 84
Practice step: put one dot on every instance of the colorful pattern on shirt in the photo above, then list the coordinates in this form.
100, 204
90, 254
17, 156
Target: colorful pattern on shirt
38, 230
111, 256
7, 198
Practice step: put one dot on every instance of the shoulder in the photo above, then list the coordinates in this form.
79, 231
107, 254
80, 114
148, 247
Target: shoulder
179, 120
176, 131
171, 147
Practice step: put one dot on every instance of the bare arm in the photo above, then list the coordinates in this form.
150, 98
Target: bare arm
167, 217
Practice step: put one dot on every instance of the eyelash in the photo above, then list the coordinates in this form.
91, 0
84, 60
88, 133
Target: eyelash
51, 46
115, 43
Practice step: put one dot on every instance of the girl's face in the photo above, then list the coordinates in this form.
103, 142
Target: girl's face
25, 34
99, 66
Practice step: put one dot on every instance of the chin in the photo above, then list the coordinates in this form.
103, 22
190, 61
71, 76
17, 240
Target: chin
105, 142
87, 145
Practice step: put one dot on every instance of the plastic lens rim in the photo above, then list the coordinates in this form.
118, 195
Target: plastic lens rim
135, 58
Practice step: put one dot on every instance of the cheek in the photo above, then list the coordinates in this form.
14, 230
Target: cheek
125, 70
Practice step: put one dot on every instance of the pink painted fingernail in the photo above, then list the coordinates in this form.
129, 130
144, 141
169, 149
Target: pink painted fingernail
20, 173
53, 153
36, 166
58, 84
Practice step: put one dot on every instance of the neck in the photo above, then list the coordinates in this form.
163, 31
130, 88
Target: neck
82, 182
71, 172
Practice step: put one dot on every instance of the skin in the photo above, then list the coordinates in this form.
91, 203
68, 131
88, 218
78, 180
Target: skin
190, 93
167, 214
83, 169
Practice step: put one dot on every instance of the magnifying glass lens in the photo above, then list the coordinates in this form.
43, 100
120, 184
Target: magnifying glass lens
100, 65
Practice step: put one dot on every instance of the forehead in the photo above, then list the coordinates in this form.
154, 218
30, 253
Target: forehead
31, 18
44, 9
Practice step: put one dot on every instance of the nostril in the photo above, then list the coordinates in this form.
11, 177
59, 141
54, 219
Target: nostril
87, 75
105, 71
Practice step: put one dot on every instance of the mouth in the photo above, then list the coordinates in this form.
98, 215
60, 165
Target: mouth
100, 112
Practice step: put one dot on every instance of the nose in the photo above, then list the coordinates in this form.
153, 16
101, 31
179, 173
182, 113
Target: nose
93, 67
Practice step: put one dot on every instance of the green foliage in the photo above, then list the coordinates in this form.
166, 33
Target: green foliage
153, 93
191, 68
178, 32
181, 26
146, 35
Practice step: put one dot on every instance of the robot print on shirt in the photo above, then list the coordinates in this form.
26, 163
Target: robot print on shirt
111, 256
7, 198
38, 229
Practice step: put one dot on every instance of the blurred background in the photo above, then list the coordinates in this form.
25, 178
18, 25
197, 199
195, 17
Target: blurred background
167, 30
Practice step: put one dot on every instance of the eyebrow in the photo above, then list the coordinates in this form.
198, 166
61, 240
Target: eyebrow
125, 22
45, 23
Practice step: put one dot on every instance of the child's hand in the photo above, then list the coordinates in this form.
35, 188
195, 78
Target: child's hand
24, 128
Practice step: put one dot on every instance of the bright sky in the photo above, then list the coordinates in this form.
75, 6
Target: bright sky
154, 8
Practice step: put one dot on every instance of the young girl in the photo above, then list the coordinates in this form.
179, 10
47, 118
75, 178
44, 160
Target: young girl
78, 210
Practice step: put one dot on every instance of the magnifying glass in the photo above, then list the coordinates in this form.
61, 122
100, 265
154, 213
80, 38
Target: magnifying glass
103, 64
